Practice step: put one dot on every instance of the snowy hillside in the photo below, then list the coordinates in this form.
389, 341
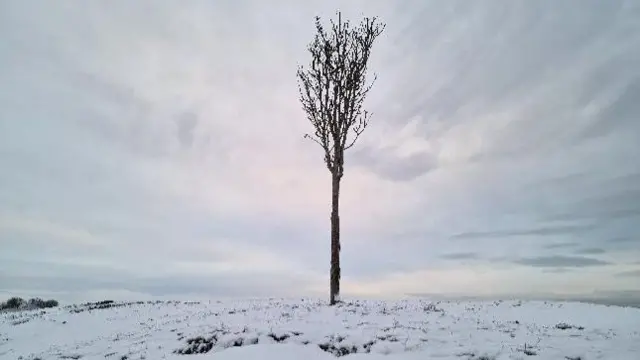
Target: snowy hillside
310, 330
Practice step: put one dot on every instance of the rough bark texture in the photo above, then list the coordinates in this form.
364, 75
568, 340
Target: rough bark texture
332, 91
334, 286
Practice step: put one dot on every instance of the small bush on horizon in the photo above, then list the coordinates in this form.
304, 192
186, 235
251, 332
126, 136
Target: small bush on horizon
13, 303
18, 303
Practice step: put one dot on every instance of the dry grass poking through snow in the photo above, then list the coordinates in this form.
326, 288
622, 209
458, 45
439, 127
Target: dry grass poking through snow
445, 330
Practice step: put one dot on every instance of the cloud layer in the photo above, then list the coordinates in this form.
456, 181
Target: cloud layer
155, 148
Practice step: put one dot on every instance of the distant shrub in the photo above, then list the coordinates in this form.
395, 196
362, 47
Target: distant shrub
50, 303
16, 303
13, 303
37, 303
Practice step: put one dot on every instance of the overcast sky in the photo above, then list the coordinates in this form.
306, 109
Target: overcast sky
155, 148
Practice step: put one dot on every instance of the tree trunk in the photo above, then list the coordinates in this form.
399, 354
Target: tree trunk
334, 274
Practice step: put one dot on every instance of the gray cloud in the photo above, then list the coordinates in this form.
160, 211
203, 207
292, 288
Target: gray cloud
590, 251
559, 270
460, 256
262, 285
392, 167
623, 239
539, 231
630, 273
563, 245
617, 202
621, 113
561, 261
186, 124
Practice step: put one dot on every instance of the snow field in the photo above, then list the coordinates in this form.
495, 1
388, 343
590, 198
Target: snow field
310, 330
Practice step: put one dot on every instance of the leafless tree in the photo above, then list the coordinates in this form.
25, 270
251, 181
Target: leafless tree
332, 91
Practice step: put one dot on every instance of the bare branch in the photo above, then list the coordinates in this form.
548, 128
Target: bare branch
307, 136
359, 129
333, 88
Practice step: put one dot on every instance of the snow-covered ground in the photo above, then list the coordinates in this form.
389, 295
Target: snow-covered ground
311, 330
